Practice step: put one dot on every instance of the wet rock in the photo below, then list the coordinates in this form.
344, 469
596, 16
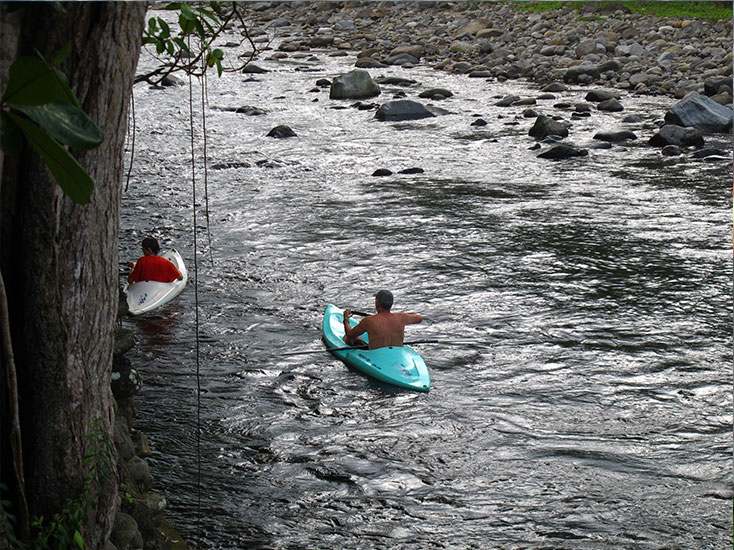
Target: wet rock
172, 80
356, 84
702, 113
546, 126
479, 122
671, 134
415, 52
414, 170
671, 151
281, 132
434, 92
582, 74
507, 101
597, 96
139, 472
369, 63
142, 447
249, 110
125, 533
321, 41
122, 440
715, 86
126, 380
611, 105
124, 341
632, 119
402, 60
380, 172
403, 109
554, 87
561, 152
395, 81
251, 68
615, 137
711, 152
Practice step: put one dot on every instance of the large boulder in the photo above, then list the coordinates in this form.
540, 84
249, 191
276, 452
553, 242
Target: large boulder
702, 113
670, 134
356, 84
545, 126
403, 109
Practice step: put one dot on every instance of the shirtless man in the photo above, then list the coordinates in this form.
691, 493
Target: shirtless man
383, 329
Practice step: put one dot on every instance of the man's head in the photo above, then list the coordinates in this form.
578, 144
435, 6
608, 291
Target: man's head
384, 299
152, 244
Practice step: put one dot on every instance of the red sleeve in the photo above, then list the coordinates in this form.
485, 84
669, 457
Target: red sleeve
175, 273
135, 273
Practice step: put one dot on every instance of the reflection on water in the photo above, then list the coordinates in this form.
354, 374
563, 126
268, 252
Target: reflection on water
594, 410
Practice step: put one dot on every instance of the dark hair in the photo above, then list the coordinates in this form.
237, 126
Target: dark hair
150, 242
384, 298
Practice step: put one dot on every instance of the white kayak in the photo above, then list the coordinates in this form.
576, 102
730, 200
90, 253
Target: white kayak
147, 295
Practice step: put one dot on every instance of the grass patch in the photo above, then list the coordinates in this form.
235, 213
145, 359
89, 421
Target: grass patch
677, 10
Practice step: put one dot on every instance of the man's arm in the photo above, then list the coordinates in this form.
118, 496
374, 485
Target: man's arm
357, 330
412, 318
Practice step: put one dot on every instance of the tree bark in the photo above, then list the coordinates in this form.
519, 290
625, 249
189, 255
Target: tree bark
59, 259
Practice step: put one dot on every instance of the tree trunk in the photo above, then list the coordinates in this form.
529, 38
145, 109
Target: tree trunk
59, 260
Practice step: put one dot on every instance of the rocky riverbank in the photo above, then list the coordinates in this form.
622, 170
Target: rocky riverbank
140, 521
602, 44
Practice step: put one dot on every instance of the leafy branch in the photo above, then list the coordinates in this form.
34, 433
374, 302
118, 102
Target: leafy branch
38, 104
204, 25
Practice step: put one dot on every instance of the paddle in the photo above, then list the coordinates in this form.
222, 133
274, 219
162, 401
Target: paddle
345, 348
361, 313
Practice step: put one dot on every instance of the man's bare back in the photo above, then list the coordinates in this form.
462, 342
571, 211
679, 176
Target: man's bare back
383, 329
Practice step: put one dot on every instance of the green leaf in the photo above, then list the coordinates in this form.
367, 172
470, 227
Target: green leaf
63, 54
11, 139
187, 13
181, 44
187, 25
165, 29
152, 25
220, 70
32, 82
66, 123
160, 46
71, 177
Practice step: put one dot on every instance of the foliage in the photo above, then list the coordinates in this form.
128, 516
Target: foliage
202, 24
38, 104
703, 10
62, 531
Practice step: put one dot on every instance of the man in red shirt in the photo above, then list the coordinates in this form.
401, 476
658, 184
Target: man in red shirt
152, 267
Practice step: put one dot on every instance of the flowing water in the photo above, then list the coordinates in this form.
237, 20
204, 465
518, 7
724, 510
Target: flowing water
594, 410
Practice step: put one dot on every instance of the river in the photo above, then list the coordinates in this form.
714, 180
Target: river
594, 410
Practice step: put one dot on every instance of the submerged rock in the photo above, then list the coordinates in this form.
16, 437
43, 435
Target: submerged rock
356, 84
281, 132
546, 126
561, 152
670, 134
615, 137
403, 109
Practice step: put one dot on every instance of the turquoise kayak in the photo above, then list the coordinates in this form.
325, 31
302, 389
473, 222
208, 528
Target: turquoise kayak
398, 365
